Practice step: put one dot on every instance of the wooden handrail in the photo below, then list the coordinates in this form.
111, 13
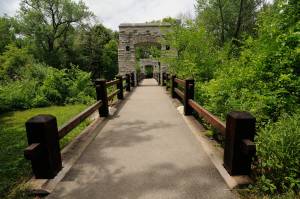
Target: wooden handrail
47, 146
113, 82
179, 93
109, 97
71, 124
209, 117
125, 86
179, 81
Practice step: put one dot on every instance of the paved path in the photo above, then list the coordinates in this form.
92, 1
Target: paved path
145, 151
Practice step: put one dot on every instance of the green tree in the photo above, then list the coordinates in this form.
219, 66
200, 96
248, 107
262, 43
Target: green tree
110, 59
7, 32
228, 19
91, 46
48, 22
13, 61
196, 54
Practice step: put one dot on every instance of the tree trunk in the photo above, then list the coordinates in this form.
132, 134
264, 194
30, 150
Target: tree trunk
239, 21
222, 23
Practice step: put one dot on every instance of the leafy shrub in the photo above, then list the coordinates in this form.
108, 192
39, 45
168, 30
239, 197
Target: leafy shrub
17, 95
260, 75
56, 86
278, 149
81, 88
40, 85
40, 101
13, 61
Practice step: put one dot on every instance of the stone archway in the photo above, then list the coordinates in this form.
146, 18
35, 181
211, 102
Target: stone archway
135, 34
149, 62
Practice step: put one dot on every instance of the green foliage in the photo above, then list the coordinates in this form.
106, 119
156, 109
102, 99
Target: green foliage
149, 71
80, 88
60, 34
145, 51
56, 86
22, 97
228, 19
6, 32
194, 48
49, 54
110, 59
278, 146
47, 24
14, 169
260, 75
42, 85
97, 51
13, 61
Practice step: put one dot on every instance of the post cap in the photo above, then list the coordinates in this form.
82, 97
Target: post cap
41, 119
189, 79
241, 115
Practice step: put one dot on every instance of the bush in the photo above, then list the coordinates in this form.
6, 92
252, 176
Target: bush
40, 85
56, 86
278, 149
81, 88
17, 95
13, 62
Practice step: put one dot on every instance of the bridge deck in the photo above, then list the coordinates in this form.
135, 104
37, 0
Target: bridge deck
145, 151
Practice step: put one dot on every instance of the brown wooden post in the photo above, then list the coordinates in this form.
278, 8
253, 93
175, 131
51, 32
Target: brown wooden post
128, 83
143, 76
167, 81
138, 78
163, 79
240, 130
132, 81
188, 94
159, 79
43, 150
120, 87
102, 95
173, 86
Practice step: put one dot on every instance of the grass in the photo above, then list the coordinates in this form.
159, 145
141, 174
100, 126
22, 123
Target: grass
14, 169
253, 194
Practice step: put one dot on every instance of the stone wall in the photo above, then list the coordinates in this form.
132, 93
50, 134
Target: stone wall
134, 34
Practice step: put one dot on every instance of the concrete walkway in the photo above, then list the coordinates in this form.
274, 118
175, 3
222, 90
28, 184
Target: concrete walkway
145, 151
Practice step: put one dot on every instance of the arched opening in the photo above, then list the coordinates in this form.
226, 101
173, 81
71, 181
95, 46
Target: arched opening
149, 71
146, 50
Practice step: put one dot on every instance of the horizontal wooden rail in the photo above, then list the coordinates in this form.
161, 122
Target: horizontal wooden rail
179, 81
43, 135
179, 93
113, 94
71, 124
210, 118
113, 82
239, 130
32, 151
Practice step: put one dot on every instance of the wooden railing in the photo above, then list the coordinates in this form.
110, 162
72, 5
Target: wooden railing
139, 77
43, 135
156, 76
238, 131
74, 122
